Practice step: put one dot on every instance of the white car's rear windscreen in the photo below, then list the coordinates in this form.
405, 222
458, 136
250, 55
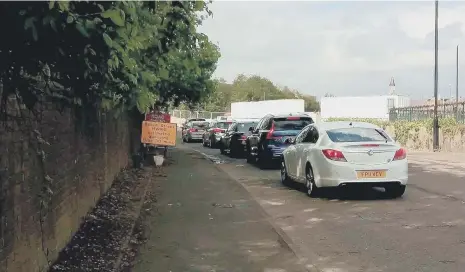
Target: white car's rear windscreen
351, 135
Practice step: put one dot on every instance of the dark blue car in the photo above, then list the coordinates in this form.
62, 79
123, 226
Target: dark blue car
268, 139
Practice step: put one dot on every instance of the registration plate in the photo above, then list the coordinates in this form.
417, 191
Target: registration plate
371, 174
285, 138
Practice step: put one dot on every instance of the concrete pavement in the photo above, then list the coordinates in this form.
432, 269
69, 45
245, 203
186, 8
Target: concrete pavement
206, 222
441, 156
423, 231
453, 163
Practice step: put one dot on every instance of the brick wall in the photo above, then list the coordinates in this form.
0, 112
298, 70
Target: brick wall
53, 169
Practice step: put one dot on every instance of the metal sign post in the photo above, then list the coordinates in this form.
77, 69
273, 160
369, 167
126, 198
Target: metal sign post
435, 118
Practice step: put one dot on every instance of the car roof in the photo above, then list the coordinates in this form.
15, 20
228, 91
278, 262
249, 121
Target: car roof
246, 120
344, 124
199, 122
282, 115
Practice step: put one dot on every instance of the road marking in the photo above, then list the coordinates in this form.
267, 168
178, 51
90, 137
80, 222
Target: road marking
310, 210
314, 220
272, 203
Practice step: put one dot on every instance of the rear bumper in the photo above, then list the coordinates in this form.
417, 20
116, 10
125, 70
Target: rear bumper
194, 137
336, 174
274, 152
358, 182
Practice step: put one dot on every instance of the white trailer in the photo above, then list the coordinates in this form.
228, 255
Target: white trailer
376, 107
258, 109
315, 115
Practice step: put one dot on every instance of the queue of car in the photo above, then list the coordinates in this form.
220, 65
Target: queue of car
318, 155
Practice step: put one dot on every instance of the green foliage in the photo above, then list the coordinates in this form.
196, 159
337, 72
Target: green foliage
123, 54
253, 88
405, 130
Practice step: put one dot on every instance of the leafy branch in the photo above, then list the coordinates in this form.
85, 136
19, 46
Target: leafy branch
114, 55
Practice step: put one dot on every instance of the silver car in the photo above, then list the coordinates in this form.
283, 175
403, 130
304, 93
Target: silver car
215, 131
194, 131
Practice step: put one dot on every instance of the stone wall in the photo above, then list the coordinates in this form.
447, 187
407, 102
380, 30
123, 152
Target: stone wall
53, 168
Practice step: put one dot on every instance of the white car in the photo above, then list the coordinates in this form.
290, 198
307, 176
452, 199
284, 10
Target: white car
332, 154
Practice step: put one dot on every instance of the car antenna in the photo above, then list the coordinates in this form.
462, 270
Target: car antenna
350, 123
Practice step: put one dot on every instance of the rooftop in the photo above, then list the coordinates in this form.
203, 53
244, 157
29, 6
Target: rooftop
291, 114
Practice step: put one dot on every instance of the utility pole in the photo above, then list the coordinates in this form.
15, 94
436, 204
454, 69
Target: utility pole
435, 120
457, 84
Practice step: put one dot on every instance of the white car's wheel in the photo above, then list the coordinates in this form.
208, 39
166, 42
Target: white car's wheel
285, 179
395, 191
310, 186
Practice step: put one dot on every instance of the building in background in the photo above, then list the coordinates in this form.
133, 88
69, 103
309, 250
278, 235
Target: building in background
392, 87
375, 107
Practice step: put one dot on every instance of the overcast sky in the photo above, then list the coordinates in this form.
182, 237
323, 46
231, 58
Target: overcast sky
343, 48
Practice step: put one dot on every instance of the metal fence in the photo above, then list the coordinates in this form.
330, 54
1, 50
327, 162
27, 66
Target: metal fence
195, 114
415, 113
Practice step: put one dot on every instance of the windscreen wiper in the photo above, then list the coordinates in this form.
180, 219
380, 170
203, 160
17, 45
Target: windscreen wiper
382, 134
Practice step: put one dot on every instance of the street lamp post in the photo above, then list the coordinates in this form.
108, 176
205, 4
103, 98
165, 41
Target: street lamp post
435, 120
457, 85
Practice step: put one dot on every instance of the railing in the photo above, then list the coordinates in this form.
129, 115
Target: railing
195, 114
415, 113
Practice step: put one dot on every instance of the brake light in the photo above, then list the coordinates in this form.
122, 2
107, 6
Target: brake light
400, 154
193, 130
334, 155
370, 145
269, 135
217, 130
243, 137
293, 118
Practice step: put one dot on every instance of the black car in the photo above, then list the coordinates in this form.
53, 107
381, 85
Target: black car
268, 139
235, 137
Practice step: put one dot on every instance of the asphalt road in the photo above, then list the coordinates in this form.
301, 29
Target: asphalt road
422, 231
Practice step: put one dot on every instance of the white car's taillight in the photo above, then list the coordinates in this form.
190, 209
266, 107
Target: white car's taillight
334, 155
400, 155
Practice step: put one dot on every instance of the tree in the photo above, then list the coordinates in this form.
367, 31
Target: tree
311, 105
123, 55
252, 88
